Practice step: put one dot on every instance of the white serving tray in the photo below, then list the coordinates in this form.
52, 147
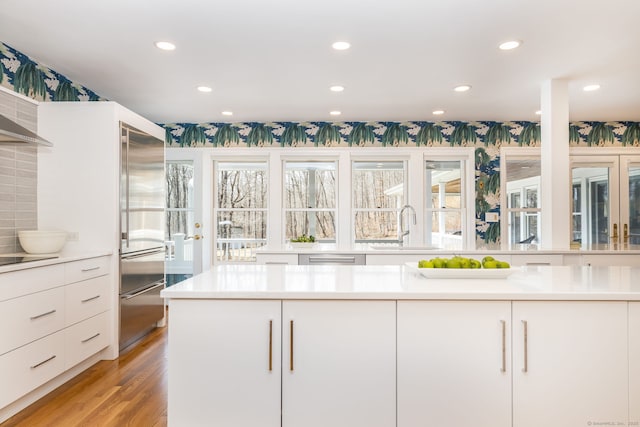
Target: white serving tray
461, 273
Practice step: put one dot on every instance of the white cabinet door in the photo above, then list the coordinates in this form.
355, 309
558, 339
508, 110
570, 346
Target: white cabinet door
454, 363
224, 363
339, 363
634, 363
570, 365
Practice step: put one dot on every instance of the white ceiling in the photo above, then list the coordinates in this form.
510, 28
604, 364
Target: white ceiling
271, 60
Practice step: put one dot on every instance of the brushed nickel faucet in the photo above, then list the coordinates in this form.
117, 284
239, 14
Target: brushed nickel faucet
402, 232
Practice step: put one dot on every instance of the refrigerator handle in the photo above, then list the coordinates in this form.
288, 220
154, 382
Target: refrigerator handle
159, 250
125, 148
145, 290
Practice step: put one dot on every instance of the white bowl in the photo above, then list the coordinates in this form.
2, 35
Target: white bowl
42, 241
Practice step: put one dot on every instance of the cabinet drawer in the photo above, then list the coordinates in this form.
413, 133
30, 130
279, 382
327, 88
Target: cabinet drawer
86, 269
23, 282
86, 299
28, 367
291, 259
86, 338
28, 318
533, 260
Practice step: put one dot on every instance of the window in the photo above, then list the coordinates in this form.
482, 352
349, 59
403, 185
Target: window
240, 209
310, 199
445, 211
378, 194
523, 200
179, 229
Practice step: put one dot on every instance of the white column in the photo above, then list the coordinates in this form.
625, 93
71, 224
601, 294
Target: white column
555, 174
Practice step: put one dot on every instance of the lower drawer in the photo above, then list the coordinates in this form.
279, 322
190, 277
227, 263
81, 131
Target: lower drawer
26, 368
86, 338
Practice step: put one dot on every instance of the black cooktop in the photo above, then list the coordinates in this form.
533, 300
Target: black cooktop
9, 260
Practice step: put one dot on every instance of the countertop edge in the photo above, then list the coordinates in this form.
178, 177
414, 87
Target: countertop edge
60, 259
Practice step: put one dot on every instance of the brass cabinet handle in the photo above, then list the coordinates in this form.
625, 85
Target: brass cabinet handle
197, 225
291, 345
504, 346
270, 345
526, 347
625, 233
615, 232
196, 237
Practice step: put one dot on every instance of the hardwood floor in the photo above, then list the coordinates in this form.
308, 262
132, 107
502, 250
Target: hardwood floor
128, 391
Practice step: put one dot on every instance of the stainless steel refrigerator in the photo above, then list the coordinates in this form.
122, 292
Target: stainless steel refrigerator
142, 217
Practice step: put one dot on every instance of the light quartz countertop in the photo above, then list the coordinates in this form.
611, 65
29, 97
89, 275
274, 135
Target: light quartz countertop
361, 248
58, 259
402, 282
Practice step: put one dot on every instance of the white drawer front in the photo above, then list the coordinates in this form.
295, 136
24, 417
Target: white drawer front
87, 298
86, 338
28, 318
23, 282
86, 269
28, 367
291, 259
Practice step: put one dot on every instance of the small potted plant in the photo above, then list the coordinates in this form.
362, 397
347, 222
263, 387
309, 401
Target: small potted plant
303, 242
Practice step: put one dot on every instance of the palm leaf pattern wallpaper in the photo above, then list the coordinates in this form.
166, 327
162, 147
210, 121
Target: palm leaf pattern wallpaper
23, 75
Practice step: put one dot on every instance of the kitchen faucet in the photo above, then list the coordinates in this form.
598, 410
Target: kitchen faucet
402, 232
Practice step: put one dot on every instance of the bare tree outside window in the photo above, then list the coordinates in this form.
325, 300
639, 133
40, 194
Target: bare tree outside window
241, 209
310, 200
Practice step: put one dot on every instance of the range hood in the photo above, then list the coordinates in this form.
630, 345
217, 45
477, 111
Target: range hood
10, 131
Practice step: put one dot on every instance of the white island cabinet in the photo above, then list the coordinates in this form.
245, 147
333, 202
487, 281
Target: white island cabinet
224, 363
454, 351
634, 364
339, 363
364, 346
570, 363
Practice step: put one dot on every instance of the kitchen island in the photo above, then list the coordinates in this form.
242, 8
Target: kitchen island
277, 345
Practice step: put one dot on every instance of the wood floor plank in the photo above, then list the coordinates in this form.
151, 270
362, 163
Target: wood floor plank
128, 391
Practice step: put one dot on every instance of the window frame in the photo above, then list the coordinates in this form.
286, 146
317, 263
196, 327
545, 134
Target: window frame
523, 153
216, 209
316, 159
467, 189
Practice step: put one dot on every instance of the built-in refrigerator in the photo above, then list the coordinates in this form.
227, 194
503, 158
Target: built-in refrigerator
142, 249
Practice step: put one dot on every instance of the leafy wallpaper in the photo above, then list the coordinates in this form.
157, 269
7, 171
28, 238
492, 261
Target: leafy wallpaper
24, 75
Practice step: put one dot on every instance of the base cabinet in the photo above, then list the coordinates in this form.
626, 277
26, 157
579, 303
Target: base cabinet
224, 363
348, 363
570, 363
339, 363
634, 363
454, 363
229, 367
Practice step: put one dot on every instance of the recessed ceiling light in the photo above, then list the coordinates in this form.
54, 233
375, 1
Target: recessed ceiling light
539, 112
591, 88
204, 89
227, 113
511, 44
335, 113
462, 88
437, 112
165, 45
336, 88
341, 45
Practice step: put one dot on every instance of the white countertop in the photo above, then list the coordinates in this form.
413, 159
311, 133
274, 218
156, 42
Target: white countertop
398, 282
59, 258
362, 248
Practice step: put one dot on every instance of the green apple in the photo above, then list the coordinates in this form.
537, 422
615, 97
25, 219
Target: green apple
465, 263
475, 263
423, 263
490, 264
503, 264
453, 263
438, 263
487, 258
